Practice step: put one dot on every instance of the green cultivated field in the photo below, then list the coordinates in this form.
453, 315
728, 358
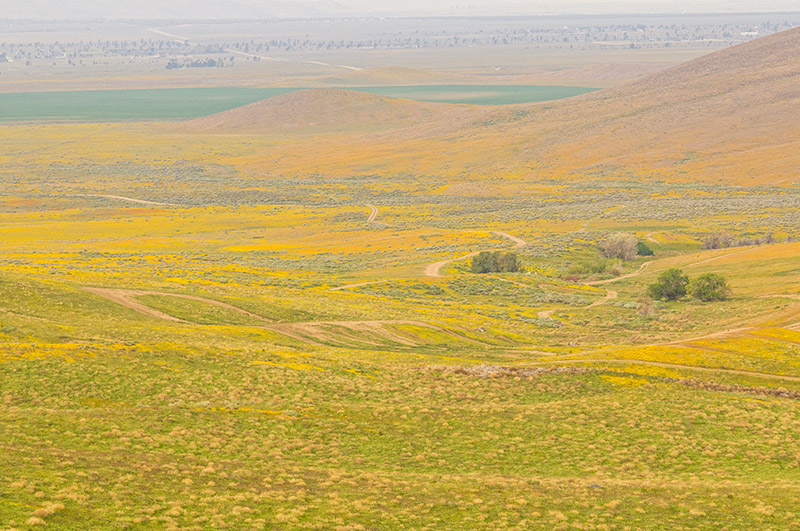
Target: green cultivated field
115, 105
478, 94
173, 104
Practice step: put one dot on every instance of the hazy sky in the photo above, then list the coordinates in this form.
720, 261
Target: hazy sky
221, 9
577, 6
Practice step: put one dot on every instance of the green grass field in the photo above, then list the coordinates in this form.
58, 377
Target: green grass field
183, 103
478, 94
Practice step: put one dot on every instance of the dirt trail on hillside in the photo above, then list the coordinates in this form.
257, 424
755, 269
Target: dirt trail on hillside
127, 298
359, 284
621, 277
123, 198
720, 256
373, 213
314, 331
518, 242
434, 269
646, 264
673, 366
610, 294
713, 335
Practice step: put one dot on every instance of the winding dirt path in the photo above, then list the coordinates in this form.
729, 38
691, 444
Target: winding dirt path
127, 298
518, 242
646, 264
373, 213
315, 332
123, 198
622, 277
707, 260
434, 269
610, 294
358, 285
311, 332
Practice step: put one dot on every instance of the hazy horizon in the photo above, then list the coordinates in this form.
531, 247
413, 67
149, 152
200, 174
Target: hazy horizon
237, 9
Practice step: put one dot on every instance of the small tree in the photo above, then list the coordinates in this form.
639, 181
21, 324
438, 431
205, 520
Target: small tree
709, 287
484, 262
642, 249
671, 285
619, 245
507, 263
488, 262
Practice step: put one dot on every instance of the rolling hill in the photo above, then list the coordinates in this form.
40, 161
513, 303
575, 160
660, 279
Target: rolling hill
727, 117
329, 111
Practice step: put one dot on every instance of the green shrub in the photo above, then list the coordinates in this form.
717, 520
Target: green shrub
497, 262
671, 285
642, 249
709, 287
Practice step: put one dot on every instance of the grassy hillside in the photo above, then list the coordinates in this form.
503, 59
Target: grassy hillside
266, 319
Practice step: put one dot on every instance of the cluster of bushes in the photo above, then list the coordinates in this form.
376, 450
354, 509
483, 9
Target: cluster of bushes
624, 246
672, 285
495, 262
722, 241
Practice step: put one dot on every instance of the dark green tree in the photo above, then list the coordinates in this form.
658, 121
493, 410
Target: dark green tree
507, 263
671, 285
489, 262
709, 287
484, 262
642, 249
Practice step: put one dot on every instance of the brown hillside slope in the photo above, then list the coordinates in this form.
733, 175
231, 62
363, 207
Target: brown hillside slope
731, 115
316, 111
728, 117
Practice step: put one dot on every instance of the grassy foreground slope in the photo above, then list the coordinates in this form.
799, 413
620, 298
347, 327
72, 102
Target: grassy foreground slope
254, 396
197, 331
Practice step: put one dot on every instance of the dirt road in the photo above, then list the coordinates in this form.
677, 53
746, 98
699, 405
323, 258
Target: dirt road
358, 285
610, 294
434, 269
127, 298
123, 198
622, 277
373, 213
